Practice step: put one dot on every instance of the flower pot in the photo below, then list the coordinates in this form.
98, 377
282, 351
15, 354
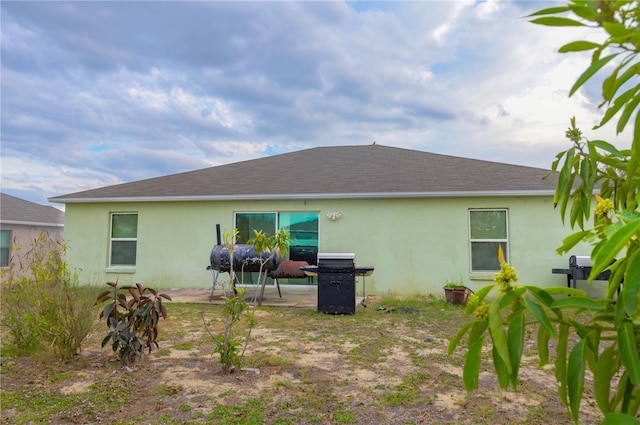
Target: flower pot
448, 294
457, 296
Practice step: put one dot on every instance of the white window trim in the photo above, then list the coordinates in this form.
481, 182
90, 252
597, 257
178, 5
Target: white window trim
471, 241
115, 268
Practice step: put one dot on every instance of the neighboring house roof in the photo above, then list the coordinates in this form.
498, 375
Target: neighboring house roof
18, 211
364, 171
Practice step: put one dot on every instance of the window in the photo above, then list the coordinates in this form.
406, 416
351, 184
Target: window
247, 222
488, 230
301, 226
5, 245
124, 239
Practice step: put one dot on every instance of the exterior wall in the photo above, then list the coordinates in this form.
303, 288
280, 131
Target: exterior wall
22, 238
415, 245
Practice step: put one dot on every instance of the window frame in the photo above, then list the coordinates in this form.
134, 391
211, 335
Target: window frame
112, 239
504, 240
7, 248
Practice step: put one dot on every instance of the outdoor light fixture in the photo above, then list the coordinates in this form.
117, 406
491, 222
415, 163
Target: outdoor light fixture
333, 216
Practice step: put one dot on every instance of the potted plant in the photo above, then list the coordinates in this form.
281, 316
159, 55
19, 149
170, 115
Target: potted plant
456, 292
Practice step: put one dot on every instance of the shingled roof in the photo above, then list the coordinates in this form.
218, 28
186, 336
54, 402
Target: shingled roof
364, 171
18, 211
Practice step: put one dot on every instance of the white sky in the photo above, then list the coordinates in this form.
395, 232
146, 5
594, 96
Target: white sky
99, 93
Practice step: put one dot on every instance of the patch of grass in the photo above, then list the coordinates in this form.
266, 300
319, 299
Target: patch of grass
248, 413
167, 389
408, 392
226, 393
259, 360
184, 345
163, 352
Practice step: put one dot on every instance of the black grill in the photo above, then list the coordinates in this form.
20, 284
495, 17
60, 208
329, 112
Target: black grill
579, 269
336, 283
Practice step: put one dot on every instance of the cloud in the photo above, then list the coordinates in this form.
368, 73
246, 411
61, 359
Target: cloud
97, 93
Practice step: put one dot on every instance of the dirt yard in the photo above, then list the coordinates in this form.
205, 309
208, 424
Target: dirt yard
386, 364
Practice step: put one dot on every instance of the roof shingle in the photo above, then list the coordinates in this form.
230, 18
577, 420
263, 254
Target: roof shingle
16, 210
360, 171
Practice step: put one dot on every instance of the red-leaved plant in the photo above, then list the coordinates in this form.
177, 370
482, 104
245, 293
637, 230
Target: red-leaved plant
132, 314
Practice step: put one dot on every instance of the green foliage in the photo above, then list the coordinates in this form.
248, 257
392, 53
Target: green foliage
602, 335
278, 244
227, 346
43, 305
133, 320
454, 283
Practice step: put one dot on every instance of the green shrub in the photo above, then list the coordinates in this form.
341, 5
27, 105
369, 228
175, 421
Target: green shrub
43, 306
133, 321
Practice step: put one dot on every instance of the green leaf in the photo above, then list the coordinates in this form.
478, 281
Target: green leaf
611, 247
561, 363
501, 370
631, 286
609, 85
601, 144
604, 371
615, 29
498, 335
572, 240
565, 290
540, 315
471, 370
575, 378
629, 352
541, 294
618, 103
578, 46
515, 338
589, 72
550, 11
510, 297
106, 340
619, 419
553, 21
629, 108
456, 340
543, 346
578, 302
478, 330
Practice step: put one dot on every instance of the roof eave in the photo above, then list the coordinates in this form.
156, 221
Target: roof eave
290, 196
31, 223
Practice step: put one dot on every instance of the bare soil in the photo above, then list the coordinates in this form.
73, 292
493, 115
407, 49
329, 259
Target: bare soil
385, 364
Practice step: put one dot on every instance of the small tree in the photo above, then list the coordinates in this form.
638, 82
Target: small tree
235, 307
276, 245
608, 340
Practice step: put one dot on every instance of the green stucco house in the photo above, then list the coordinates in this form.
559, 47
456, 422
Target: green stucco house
420, 219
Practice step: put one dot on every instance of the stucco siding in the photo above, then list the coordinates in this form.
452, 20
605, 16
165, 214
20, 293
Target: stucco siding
22, 242
415, 245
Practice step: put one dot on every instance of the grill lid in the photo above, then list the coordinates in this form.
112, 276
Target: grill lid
336, 256
580, 261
